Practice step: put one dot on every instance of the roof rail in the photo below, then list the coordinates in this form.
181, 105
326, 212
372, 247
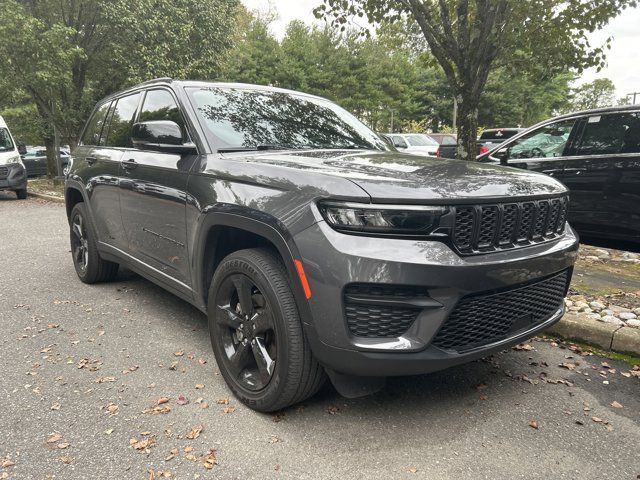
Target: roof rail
156, 80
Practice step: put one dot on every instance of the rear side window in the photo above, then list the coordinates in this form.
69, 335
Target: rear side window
119, 134
502, 134
448, 141
160, 105
93, 130
610, 134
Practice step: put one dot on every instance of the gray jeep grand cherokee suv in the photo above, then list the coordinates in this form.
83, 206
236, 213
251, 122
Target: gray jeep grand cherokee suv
314, 248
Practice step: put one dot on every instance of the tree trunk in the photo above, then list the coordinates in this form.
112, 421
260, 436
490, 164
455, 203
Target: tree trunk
52, 167
467, 127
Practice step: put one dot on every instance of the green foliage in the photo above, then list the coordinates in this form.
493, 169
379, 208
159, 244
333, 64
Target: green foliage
471, 38
64, 56
596, 94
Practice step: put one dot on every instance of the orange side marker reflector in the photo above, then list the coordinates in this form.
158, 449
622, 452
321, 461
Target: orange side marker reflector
303, 278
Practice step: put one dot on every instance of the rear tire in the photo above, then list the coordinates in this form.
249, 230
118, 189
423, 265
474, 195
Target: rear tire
257, 335
21, 194
86, 259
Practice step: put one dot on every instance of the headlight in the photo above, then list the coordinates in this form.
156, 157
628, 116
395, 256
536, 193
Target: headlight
382, 219
15, 159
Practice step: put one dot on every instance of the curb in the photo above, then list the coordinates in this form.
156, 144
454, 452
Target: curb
51, 198
603, 335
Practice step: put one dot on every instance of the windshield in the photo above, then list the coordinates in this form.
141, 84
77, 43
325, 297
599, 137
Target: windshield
237, 118
420, 141
5, 140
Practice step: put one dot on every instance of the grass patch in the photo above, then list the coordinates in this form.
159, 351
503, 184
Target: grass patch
47, 186
631, 360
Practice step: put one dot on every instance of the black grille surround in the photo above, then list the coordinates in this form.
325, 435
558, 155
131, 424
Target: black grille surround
483, 319
381, 311
494, 227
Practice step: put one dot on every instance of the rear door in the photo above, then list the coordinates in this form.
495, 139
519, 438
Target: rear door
98, 167
153, 195
604, 176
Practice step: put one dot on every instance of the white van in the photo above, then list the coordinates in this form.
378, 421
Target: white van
13, 175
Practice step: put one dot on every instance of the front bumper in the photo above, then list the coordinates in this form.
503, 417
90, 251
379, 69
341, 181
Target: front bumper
333, 260
13, 177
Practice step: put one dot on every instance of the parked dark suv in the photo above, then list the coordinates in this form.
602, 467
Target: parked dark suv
596, 154
313, 248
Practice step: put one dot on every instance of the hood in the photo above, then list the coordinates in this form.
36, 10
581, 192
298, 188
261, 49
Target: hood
393, 176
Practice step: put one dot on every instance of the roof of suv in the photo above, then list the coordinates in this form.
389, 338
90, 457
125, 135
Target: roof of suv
201, 83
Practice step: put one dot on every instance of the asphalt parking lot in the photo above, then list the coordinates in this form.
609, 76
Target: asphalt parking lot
118, 381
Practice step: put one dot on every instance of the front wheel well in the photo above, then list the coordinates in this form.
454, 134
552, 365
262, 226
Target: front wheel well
72, 198
222, 241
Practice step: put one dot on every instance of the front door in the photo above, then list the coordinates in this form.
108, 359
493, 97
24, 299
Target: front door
153, 196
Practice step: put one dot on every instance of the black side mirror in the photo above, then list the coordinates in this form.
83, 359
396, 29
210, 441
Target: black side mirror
161, 136
22, 148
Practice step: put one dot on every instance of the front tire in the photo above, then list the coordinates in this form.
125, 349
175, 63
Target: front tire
90, 267
257, 335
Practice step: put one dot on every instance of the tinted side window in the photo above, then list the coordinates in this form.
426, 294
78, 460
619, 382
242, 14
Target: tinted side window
94, 126
399, 142
122, 120
544, 142
609, 134
160, 105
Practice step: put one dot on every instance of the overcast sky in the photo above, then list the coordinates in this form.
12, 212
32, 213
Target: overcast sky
623, 58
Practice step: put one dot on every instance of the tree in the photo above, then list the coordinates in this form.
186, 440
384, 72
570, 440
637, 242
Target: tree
596, 94
67, 55
469, 38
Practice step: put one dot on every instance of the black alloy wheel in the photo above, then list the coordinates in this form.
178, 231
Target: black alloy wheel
257, 334
246, 331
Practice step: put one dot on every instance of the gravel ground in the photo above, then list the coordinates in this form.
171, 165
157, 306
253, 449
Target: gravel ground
87, 369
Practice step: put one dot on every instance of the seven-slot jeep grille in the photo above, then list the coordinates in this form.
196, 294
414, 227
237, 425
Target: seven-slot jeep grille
487, 228
482, 319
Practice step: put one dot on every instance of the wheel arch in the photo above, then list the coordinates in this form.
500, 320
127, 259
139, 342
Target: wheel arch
222, 233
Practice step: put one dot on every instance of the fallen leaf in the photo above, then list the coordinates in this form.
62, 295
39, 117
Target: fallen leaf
523, 346
534, 424
8, 463
333, 409
172, 454
56, 406
412, 470
143, 444
179, 353
229, 409
62, 446
199, 386
275, 439
157, 410
615, 404
182, 400
596, 419
209, 459
54, 438
202, 361
223, 401
568, 366
66, 459
195, 432
162, 400
109, 431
